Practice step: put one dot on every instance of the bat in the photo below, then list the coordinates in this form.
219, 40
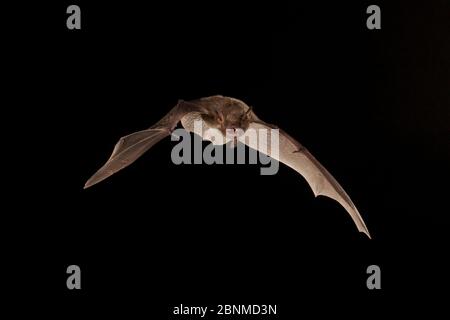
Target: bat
233, 119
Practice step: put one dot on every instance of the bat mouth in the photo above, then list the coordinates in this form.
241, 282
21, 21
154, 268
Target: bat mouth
234, 133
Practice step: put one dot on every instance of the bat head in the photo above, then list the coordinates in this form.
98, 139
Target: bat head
234, 120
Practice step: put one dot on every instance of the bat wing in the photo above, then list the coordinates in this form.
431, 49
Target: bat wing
294, 155
132, 146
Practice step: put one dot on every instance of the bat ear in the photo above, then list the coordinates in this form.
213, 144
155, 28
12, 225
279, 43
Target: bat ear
248, 112
220, 117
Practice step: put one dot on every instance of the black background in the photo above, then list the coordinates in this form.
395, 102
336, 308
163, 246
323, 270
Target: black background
371, 105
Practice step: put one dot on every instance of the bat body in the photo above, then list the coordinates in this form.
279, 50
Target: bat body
233, 120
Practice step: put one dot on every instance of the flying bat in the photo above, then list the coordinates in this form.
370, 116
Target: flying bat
231, 118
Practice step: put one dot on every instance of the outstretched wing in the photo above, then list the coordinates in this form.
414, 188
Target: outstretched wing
132, 146
294, 155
